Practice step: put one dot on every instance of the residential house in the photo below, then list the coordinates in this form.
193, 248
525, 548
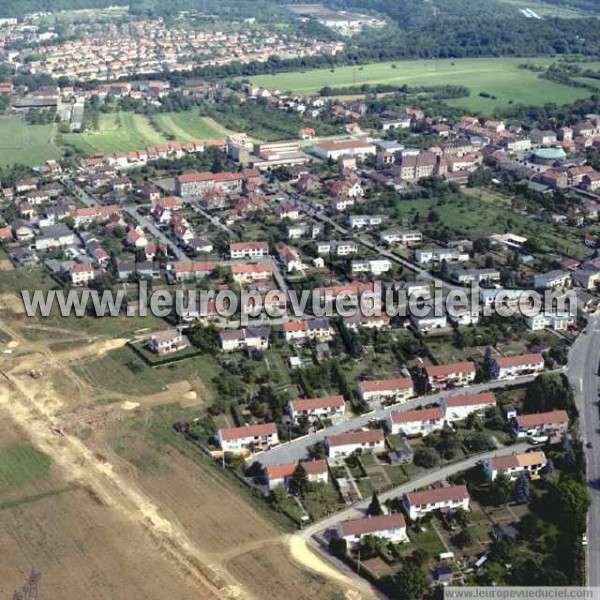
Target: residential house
389, 528
344, 444
250, 438
388, 391
251, 272
401, 236
313, 329
314, 408
458, 408
248, 249
509, 367
530, 463
82, 274
447, 499
247, 338
316, 472
450, 375
416, 422
167, 342
545, 423
552, 280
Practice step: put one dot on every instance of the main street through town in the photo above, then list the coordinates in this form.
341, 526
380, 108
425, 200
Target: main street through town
583, 375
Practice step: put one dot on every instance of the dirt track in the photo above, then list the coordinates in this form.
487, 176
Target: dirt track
229, 568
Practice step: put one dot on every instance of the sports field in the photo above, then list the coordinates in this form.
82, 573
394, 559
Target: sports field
26, 144
499, 77
123, 132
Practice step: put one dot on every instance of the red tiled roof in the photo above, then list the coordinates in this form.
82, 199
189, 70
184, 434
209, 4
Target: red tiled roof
425, 414
444, 494
385, 385
316, 403
472, 399
356, 437
442, 370
523, 359
236, 433
372, 524
546, 418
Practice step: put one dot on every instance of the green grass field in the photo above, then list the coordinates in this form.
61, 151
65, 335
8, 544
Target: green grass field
189, 126
21, 463
499, 77
117, 132
26, 144
124, 132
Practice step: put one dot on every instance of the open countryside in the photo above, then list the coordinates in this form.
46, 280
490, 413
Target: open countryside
499, 77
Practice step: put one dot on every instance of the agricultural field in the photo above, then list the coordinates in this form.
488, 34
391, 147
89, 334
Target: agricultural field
189, 126
25, 144
117, 132
60, 528
124, 131
499, 77
234, 529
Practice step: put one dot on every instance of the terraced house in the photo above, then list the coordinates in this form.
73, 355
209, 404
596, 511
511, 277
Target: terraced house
450, 375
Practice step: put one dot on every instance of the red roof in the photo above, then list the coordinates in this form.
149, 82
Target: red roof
425, 414
237, 246
312, 467
523, 359
236, 433
356, 437
444, 494
253, 268
387, 385
546, 418
372, 524
443, 370
472, 399
316, 403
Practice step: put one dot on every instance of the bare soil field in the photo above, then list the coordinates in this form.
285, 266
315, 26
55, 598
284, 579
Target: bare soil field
114, 504
81, 547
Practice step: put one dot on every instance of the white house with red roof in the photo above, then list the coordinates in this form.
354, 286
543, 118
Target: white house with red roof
82, 274
450, 375
393, 391
250, 438
316, 472
251, 272
344, 444
327, 406
545, 423
508, 367
530, 463
248, 249
460, 407
448, 499
136, 238
390, 528
416, 422
311, 329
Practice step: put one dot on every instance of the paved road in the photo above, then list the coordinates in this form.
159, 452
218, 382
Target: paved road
148, 224
359, 509
297, 449
583, 375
